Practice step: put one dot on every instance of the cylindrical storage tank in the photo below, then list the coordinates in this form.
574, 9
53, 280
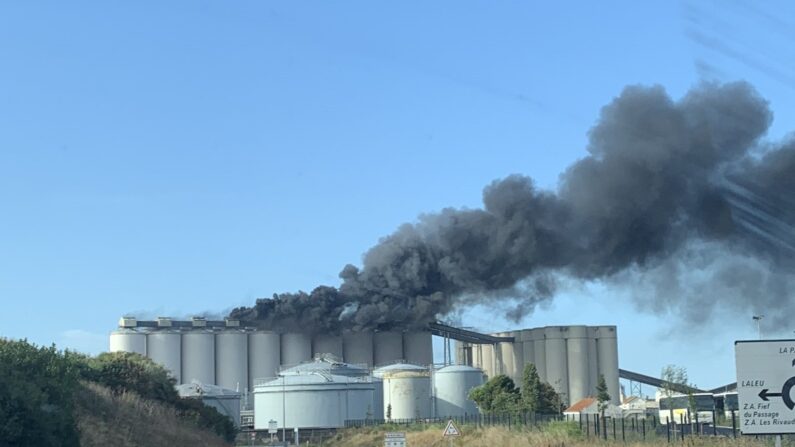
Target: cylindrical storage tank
540, 352
357, 348
327, 344
378, 398
387, 347
593, 361
513, 356
231, 360
198, 357
263, 356
312, 401
555, 346
487, 355
528, 348
165, 348
296, 348
128, 340
452, 385
607, 351
418, 347
407, 394
577, 359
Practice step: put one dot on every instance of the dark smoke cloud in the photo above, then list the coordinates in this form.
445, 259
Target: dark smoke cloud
664, 181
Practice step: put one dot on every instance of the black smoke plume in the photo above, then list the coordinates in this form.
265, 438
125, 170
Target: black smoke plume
661, 179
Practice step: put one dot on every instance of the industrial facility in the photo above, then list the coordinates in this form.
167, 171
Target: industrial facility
323, 380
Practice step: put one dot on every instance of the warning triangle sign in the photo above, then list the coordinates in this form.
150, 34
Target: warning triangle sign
451, 429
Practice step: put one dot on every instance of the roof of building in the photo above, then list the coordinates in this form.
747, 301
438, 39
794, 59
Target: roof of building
580, 405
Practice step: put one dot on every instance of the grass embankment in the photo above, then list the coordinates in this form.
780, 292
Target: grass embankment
560, 434
106, 419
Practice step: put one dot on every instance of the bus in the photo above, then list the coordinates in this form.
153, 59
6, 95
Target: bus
704, 404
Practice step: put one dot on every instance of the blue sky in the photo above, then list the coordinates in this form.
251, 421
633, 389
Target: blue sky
170, 158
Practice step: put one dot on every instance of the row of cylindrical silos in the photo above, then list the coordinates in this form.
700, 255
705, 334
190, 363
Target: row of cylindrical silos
234, 358
570, 358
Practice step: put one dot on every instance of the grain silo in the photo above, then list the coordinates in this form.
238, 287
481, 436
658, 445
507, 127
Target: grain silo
198, 356
607, 352
231, 359
264, 357
577, 363
164, 347
327, 344
387, 347
418, 347
540, 352
357, 348
296, 348
451, 390
128, 340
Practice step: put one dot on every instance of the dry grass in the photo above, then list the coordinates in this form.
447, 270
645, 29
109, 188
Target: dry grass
129, 421
502, 437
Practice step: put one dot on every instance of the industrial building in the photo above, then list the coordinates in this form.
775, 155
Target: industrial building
305, 381
570, 358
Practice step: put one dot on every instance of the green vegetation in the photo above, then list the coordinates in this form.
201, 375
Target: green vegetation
602, 395
500, 395
39, 388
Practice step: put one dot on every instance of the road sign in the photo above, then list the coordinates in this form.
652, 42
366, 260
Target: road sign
272, 426
765, 382
395, 439
451, 430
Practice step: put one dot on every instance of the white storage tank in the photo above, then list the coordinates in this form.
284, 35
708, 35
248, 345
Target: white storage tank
312, 400
452, 385
357, 347
327, 344
387, 347
231, 360
418, 347
164, 347
327, 366
555, 350
578, 365
296, 348
128, 340
540, 352
198, 356
607, 351
263, 356
407, 391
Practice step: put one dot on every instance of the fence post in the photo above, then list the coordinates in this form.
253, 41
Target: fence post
623, 436
682, 426
587, 425
614, 428
644, 428
734, 426
668, 428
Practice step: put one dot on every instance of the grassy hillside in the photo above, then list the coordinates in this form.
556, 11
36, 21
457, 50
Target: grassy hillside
556, 435
106, 419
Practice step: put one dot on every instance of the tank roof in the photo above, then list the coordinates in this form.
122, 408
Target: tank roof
458, 368
327, 365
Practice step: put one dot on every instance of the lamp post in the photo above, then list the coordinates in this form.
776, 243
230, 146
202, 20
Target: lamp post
758, 319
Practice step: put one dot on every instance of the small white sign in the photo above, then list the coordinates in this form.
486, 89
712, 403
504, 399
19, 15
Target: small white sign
395, 439
272, 426
451, 429
765, 382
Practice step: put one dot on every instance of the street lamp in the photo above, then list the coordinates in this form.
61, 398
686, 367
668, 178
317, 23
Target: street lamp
758, 319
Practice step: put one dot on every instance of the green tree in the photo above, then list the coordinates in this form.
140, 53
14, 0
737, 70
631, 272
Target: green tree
674, 382
602, 396
499, 394
388, 412
531, 388
550, 401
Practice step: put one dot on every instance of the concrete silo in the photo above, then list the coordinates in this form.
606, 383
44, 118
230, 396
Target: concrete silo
407, 392
451, 389
540, 352
513, 357
555, 351
164, 347
607, 351
231, 360
327, 344
296, 348
357, 347
577, 359
593, 359
264, 357
418, 347
487, 355
528, 348
128, 340
387, 347
198, 356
